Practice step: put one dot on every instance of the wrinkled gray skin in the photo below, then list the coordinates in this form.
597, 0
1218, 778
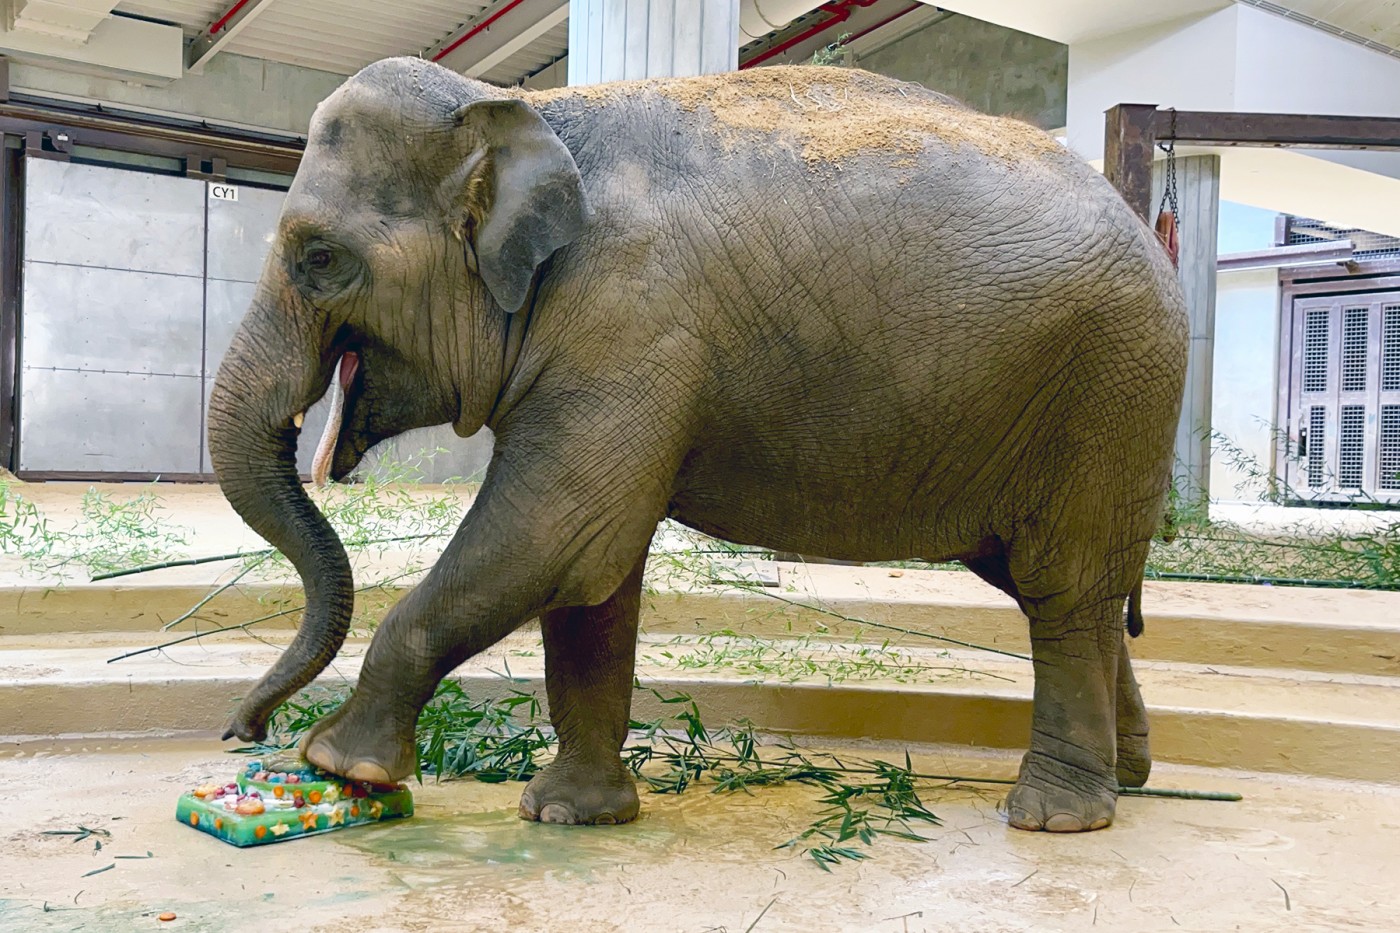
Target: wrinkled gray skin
961, 358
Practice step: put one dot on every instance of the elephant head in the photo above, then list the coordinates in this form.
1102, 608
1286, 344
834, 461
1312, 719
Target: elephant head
421, 213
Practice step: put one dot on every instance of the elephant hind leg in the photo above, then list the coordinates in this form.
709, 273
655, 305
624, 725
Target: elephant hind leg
996, 570
1068, 781
589, 653
1134, 761
1089, 728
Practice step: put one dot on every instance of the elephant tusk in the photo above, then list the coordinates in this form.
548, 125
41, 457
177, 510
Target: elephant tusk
298, 419
325, 449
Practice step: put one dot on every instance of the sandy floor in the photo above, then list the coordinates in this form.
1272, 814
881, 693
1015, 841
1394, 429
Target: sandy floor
1296, 854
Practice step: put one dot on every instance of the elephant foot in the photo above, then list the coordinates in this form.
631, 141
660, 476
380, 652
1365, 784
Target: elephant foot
579, 795
360, 745
1134, 760
1055, 797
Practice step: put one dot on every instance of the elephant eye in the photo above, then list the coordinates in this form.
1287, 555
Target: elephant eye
325, 267
318, 259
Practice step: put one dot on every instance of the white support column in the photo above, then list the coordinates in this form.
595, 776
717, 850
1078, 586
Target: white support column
615, 40
1198, 195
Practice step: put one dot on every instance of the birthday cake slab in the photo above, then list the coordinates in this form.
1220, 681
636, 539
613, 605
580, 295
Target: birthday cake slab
278, 800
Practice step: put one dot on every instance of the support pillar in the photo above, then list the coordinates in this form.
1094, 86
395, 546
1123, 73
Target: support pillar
616, 40
1198, 194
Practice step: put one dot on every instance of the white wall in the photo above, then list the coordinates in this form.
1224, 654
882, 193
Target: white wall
1186, 63
1245, 376
1245, 59
1285, 66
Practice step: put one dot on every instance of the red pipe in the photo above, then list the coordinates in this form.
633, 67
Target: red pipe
479, 27
840, 12
222, 21
885, 22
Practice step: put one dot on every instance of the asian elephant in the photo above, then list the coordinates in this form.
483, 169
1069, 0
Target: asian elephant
807, 308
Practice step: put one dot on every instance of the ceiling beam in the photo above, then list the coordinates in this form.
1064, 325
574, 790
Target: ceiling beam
119, 47
222, 31
497, 33
70, 20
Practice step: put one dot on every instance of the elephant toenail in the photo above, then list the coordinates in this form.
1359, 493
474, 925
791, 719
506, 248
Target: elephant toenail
1020, 819
555, 813
1064, 823
606, 819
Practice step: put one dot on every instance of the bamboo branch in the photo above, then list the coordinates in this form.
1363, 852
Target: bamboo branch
1225, 796
237, 555
880, 625
222, 588
245, 625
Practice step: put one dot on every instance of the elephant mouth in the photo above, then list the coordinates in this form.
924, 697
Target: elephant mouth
346, 368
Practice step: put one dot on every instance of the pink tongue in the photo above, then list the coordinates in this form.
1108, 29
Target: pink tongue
325, 450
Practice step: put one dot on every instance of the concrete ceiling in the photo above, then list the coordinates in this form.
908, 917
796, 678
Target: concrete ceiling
342, 36
1070, 21
1377, 20
508, 40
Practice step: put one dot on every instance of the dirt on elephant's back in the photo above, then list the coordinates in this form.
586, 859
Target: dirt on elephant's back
834, 113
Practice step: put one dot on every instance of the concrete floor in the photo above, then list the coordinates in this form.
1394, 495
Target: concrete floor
1301, 854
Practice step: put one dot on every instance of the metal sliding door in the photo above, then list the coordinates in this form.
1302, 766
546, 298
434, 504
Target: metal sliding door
112, 322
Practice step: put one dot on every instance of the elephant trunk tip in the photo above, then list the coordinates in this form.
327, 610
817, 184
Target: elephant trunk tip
245, 729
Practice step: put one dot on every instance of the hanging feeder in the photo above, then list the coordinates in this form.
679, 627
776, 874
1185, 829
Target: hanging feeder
1169, 211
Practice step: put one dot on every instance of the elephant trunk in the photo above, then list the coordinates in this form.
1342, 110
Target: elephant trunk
262, 385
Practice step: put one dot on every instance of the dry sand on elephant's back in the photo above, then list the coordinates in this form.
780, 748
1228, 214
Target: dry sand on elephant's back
834, 112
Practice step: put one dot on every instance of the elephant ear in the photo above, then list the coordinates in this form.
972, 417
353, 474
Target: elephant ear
523, 195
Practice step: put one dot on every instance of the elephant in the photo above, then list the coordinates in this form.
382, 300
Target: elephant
799, 307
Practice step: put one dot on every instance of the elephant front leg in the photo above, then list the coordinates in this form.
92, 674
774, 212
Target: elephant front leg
589, 652
470, 600
372, 736
1068, 781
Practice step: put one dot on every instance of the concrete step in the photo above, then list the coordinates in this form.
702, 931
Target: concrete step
1329, 631
1288, 721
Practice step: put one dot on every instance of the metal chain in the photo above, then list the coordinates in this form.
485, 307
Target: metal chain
1169, 192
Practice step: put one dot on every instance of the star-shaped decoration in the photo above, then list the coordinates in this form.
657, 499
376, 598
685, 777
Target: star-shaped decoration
337, 816
375, 808
331, 795
308, 820
280, 829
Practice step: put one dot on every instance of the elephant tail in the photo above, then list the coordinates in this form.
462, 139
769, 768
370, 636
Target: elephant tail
1135, 625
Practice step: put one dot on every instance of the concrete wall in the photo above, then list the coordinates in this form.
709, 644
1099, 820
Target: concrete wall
234, 90
989, 67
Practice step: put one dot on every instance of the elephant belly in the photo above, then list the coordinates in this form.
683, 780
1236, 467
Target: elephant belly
844, 520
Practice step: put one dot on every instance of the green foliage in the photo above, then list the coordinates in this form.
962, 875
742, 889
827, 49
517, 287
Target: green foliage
495, 740
1304, 551
107, 535
836, 54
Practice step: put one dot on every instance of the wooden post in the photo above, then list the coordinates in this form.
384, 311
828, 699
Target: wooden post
1198, 190
1129, 139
